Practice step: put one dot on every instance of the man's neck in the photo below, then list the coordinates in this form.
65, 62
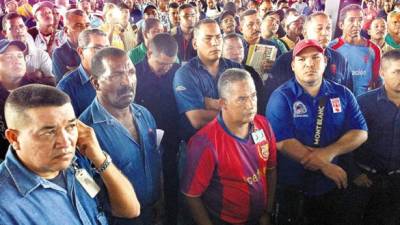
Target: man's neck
380, 42
10, 85
253, 41
187, 33
293, 38
240, 130
116, 112
312, 88
45, 30
393, 96
358, 40
211, 66
395, 38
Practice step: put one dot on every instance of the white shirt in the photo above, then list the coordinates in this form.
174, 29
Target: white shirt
299, 7
37, 59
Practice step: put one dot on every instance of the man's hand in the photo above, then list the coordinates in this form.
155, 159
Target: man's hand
317, 159
335, 173
363, 181
88, 144
266, 65
212, 104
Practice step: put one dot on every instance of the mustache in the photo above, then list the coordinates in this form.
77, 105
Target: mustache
125, 90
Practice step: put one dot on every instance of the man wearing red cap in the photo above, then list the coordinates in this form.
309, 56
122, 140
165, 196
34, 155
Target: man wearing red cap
316, 122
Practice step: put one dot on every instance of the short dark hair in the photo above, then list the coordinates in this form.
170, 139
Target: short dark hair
248, 12
8, 17
202, 22
390, 56
145, 28
185, 6
75, 12
164, 43
173, 5
84, 36
228, 77
97, 63
31, 96
346, 9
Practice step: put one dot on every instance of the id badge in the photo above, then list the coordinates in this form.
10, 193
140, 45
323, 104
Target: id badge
87, 182
258, 136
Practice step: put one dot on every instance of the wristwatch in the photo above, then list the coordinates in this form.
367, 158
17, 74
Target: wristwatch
105, 164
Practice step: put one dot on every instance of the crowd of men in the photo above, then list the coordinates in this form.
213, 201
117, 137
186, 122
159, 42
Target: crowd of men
205, 112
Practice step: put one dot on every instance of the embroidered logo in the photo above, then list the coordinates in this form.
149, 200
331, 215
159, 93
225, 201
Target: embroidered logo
180, 88
263, 151
299, 109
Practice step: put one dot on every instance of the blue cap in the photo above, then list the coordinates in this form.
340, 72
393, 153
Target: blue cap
5, 43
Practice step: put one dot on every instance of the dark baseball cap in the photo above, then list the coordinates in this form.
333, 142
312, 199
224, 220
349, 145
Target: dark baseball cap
225, 14
303, 44
5, 43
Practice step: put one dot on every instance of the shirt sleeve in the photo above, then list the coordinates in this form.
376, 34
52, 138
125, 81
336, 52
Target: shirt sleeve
280, 117
46, 65
188, 95
58, 66
272, 147
198, 166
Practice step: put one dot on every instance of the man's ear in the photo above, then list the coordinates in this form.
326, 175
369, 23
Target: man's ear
95, 83
194, 43
12, 137
80, 51
149, 53
222, 103
340, 25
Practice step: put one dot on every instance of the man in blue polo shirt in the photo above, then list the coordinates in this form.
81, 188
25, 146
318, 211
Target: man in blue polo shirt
65, 58
318, 26
77, 84
125, 130
377, 162
195, 83
315, 122
154, 91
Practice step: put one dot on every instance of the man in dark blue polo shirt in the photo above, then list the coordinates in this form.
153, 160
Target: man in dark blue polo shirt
65, 58
77, 83
315, 122
154, 91
377, 162
195, 83
318, 26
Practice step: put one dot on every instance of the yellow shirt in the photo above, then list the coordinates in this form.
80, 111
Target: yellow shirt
25, 10
289, 43
116, 39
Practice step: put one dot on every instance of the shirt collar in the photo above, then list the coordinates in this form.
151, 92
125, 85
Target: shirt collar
83, 75
199, 65
25, 180
382, 96
389, 39
101, 115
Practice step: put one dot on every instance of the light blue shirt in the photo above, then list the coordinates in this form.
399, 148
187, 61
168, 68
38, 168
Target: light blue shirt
27, 198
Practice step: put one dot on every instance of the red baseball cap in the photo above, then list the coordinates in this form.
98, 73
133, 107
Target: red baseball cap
303, 44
